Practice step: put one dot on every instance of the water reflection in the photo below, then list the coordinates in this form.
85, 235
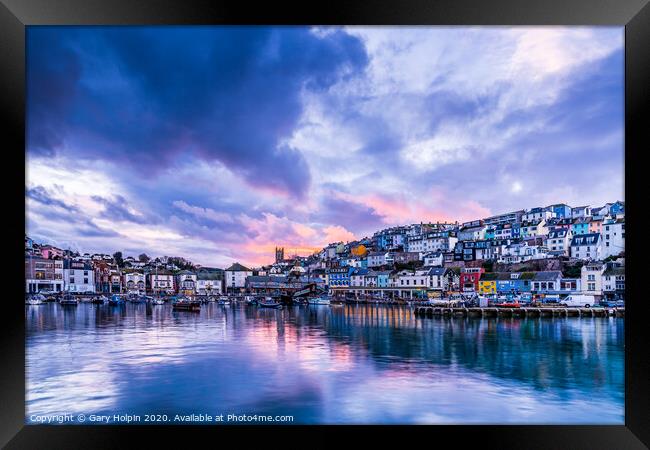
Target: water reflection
350, 364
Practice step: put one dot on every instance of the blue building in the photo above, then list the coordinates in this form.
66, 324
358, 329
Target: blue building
340, 276
561, 209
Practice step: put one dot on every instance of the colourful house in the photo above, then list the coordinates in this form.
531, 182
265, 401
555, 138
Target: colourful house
580, 225
488, 283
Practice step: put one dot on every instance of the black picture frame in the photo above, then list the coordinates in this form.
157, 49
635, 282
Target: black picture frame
15, 15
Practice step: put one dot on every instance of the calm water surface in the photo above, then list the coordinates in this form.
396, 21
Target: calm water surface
323, 365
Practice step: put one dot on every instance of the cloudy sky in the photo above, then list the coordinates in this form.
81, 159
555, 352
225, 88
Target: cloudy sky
218, 143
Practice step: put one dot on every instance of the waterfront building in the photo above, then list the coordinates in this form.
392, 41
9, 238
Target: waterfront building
235, 277
586, 246
78, 276
357, 277
613, 282
613, 237
440, 278
513, 282
546, 282
570, 285
43, 274
162, 281
134, 282
339, 276
469, 278
488, 283
383, 278
186, 282
591, 278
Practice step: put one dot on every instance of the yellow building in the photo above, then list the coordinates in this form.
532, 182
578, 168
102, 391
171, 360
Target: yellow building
487, 287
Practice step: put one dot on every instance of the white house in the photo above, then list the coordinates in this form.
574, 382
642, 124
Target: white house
613, 236
580, 211
433, 259
614, 281
438, 278
376, 259
536, 214
591, 278
134, 282
559, 241
208, 284
235, 277
536, 227
162, 282
586, 246
78, 276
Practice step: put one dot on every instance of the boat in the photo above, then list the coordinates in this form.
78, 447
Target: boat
157, 301
98, 300
35, 299
269, 302
211, 298
508, 304
224, 301
186, 304
69, 300
318, 301
116, 300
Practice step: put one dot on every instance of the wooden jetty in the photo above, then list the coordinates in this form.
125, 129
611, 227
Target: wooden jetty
432, 311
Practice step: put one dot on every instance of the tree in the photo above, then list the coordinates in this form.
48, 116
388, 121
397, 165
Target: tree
117, 257
144, 258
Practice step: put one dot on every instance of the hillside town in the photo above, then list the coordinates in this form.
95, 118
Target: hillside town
552, 250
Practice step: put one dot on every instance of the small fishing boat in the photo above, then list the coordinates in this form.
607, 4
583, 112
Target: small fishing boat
224, 301
35, 299
269, 302
116, 300
186, 304
157, 301
98, 300
69, 300
318, 301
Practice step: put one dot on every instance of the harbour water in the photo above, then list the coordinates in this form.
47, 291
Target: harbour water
352, 364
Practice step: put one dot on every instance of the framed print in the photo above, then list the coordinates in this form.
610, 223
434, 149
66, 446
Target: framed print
379, 219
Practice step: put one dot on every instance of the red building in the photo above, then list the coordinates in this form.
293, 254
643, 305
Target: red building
469, 277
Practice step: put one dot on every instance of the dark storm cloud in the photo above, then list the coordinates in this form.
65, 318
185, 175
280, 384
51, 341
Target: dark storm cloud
143, 96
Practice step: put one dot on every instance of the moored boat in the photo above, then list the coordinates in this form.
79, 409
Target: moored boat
224, 301
98, 300
69, 300
116, 300
186, 304
269, 302
35, 299
318, 301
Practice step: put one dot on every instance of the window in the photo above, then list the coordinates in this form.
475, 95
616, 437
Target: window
85, 280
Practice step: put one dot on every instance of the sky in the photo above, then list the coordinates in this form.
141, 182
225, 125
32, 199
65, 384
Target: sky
219, 143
